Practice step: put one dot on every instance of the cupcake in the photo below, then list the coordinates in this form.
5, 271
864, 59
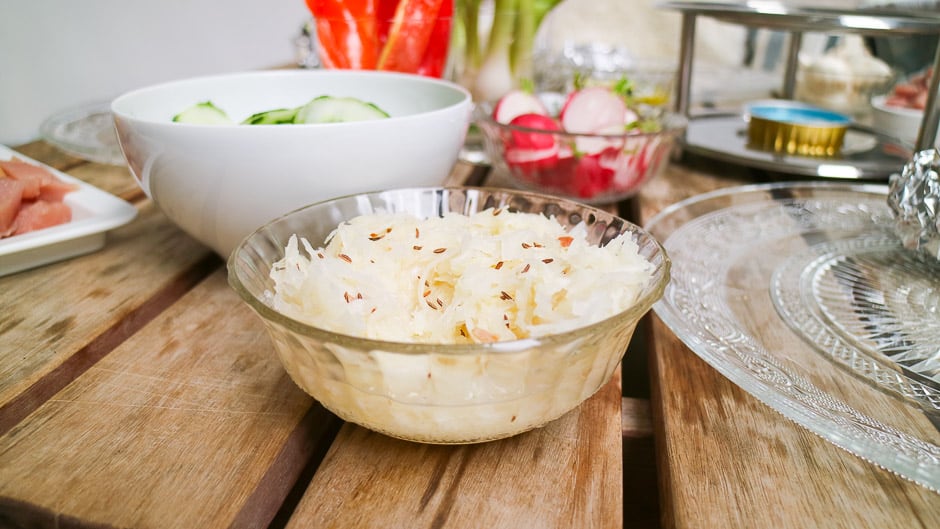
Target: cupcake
844, 78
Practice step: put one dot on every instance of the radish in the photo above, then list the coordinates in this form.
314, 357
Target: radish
516, 103
591, 178
522, 156
534, 139
531, 160
592, 109
530, 150
588, 151
609, 137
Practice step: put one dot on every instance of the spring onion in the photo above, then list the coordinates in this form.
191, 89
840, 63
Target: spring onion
499, 61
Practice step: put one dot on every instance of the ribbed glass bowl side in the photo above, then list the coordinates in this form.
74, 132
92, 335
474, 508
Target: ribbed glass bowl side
442, 393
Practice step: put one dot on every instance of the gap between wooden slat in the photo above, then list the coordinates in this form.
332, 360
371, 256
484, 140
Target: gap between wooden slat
25, 403
635, 418
286, 479
325, 432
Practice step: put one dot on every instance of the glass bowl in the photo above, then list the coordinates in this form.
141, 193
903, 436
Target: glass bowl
589, 168
449, 393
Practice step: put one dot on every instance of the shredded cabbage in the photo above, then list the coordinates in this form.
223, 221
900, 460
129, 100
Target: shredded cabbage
491, 276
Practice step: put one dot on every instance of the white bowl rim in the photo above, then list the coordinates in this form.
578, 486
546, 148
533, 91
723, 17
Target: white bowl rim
118, 104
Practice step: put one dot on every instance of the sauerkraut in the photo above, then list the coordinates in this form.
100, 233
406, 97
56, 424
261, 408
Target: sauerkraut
490, 276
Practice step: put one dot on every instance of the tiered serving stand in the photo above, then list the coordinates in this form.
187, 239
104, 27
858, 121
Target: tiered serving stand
868, 154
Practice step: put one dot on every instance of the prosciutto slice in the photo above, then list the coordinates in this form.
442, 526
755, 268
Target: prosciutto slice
31, 198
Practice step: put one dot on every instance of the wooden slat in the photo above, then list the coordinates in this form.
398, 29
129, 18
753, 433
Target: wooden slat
53, 312
49, 155
192, 422
567, 474
727, 460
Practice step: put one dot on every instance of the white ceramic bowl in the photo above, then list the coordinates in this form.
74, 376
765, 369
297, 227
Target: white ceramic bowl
221, 182
897, 122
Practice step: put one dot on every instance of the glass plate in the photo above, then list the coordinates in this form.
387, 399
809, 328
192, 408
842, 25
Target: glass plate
800, 294
86, 132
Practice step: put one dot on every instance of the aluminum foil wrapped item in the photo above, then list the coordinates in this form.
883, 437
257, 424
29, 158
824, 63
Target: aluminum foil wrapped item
914, 198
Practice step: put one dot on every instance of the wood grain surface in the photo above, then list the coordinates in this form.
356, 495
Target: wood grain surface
175, 428
137, 390
567, 474
59, 319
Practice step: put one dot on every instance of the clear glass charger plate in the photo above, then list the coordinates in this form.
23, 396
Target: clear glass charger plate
86, 132
800, 294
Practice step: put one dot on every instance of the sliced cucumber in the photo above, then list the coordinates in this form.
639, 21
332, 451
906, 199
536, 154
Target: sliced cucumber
329, 109
204, 113
272, 117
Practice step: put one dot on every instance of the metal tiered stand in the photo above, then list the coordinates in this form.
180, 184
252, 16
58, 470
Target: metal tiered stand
868, 153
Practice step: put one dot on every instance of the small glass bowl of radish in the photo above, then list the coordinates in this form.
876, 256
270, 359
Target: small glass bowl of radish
590, 145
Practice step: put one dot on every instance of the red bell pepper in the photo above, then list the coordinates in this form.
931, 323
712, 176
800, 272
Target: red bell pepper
409, 35
346, 32
399, 35
435, 55
385, 14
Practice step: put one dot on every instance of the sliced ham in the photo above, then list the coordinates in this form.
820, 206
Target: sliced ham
40, 214
11, 196
33, 177
31, 198
38, 181
54, 190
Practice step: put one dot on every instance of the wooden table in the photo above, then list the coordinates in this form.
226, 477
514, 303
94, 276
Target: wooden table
136, 390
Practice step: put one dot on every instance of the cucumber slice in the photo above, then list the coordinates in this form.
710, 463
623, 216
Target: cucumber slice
272, 117
204, 113
329, 109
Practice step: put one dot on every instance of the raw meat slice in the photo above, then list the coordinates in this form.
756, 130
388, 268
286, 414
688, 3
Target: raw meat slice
32, 176
41, 214
11, 196
54, 190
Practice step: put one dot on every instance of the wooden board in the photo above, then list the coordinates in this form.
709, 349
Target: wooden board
191, 422
138, 391
80, 307
567, 474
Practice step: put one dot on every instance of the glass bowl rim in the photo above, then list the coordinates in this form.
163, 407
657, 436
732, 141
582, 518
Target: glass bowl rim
648, 296
673, 124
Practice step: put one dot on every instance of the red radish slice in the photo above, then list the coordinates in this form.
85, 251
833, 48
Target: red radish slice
516, 103
590, 177
522, 156
630, 117
531, 160
592, 109
565, 151
534, 140
609, 137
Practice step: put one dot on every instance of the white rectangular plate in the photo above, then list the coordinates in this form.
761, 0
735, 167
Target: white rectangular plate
94, 212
